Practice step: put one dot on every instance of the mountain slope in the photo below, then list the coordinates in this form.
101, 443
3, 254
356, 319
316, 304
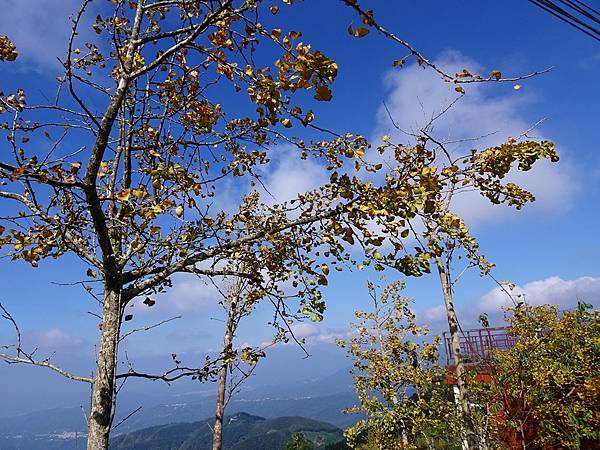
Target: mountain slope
241, 432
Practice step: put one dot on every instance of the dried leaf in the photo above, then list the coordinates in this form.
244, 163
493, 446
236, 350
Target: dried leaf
123, 195
323, 93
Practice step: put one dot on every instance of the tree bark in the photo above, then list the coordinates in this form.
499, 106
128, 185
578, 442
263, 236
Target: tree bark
103, 392
222, 381
462, 390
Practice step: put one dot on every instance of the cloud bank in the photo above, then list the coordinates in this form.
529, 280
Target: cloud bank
486, 116
552, 290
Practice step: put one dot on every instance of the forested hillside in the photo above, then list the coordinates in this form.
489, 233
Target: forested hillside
241, 432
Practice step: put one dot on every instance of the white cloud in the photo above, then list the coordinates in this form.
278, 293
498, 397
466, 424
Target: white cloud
289, 176
313, 333
189, 295
434, 314
54, 338
304, 330
553, 290
39, 28
186, 335
417, 95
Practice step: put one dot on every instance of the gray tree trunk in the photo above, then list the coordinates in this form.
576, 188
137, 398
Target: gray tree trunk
222, 381
462, 390
103, 391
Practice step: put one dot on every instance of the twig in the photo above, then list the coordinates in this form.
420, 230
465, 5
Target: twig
127, 416
149, 327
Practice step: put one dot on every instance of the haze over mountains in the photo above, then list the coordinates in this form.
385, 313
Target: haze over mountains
320, 399
284, 373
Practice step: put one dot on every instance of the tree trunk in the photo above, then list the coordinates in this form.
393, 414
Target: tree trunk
222, 381
103, 392
461, 391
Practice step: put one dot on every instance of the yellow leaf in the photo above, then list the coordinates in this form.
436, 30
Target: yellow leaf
310, 116
139, 193
123, 195
275, 34
136, 245
8, 51
460, 89
516, 87
361, 32
179, 211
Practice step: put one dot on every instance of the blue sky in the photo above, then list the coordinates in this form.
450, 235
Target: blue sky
550, 249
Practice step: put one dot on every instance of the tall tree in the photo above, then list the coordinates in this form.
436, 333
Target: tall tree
400, 384
233, 318
447, 239
230, 373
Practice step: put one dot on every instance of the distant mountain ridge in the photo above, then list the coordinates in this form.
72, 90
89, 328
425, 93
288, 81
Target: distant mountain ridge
321, 399
64, 428
241, 431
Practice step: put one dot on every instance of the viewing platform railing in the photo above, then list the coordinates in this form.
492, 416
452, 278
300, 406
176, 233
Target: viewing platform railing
476, 345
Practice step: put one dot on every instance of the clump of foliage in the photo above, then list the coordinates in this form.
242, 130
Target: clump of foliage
298, 442
400, 384
8, 50
545, 391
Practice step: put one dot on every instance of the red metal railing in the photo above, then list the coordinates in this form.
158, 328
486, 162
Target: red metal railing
476, 345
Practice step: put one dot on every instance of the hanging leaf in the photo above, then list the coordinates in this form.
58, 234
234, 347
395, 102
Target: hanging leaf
359, 32
323, 93
123, 195
496, 74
